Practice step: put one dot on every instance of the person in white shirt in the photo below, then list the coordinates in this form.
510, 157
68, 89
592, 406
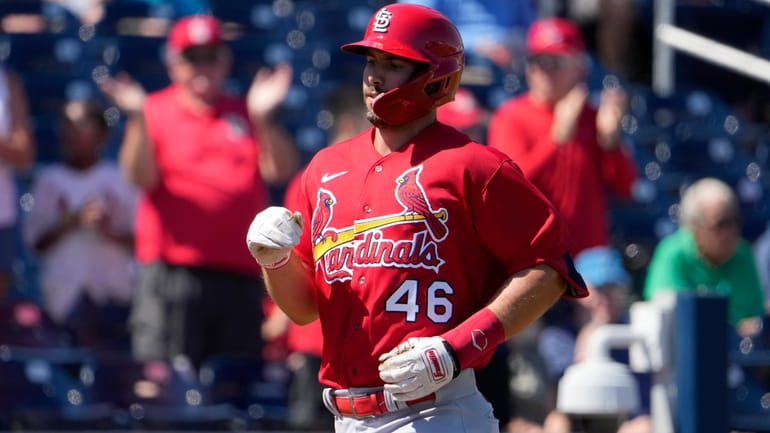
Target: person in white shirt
81, 226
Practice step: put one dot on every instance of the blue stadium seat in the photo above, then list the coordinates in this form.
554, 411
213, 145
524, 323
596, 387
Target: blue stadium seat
687, 103
123, 17
155, 395
55, 17
49, 53
46, 134
241, 382
249, 17
749, 380
24, 324
140, 56
40, 391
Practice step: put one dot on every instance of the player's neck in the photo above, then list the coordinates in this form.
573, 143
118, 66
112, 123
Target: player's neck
388, 139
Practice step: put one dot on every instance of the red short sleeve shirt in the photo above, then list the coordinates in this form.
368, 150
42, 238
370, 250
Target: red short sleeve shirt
210, 185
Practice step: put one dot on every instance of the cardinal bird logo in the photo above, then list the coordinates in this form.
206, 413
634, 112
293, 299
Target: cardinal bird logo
322, 216
410, 194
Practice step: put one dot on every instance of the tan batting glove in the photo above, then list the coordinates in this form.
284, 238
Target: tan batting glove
272, 235
417, 367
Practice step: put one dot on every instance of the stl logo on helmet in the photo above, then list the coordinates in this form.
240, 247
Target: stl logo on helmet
382, 21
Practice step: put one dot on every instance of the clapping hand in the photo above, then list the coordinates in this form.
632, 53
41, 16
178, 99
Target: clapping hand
125, 92
612, 107
566, 113
268, 89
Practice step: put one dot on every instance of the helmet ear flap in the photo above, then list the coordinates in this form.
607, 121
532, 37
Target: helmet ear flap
405, 103
442, 90
416, 98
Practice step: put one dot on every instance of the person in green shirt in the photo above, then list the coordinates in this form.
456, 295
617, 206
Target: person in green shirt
708, 255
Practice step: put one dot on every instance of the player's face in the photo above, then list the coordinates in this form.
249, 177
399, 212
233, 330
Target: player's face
384, 72
201, 70
550, 77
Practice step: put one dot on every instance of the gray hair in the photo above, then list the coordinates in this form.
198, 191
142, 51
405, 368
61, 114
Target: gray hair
705, 190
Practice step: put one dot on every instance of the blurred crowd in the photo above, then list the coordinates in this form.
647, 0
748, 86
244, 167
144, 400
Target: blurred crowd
122, 230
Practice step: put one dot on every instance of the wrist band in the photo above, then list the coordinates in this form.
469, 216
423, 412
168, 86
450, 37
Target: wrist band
279, 264
475, 340
455, 362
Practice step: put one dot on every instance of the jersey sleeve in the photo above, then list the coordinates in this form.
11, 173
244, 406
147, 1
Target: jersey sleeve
520, 227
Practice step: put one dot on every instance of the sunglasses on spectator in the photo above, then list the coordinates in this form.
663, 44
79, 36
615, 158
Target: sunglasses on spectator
203, 55
549, 62
724, 223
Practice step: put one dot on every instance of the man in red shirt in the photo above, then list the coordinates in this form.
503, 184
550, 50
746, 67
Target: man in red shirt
202, 159
422, 250
573, 152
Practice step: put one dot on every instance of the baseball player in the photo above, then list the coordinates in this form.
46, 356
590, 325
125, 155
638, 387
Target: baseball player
419, 249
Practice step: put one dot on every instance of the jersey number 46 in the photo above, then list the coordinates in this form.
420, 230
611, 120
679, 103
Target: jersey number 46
439, 307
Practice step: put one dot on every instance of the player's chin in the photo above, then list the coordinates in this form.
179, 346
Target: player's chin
376, 120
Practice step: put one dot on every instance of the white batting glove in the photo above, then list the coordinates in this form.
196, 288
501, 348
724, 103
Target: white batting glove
272, 234
417, 367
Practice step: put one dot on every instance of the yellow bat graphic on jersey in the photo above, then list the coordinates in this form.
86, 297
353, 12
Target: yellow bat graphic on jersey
363, 226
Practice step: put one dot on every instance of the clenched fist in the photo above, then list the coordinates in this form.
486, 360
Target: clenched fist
272, 234
417, 367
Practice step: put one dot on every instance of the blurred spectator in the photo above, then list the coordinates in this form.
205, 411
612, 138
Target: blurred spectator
305, 342
202, 159
466, 114
17, 152
572, 151
562, 344
708, 254
610, 25
603, 269
81, 227
492, 30
614, 22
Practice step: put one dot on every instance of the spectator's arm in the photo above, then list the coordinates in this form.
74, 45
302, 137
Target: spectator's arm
136, 158
278, 158
18, 149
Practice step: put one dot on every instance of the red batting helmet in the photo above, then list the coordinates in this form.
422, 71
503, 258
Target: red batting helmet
424, 35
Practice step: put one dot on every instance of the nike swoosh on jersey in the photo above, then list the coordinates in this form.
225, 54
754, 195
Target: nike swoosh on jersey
327, 177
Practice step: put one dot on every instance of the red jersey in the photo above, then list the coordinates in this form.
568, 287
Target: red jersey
575, 175
210, 185
414, 242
